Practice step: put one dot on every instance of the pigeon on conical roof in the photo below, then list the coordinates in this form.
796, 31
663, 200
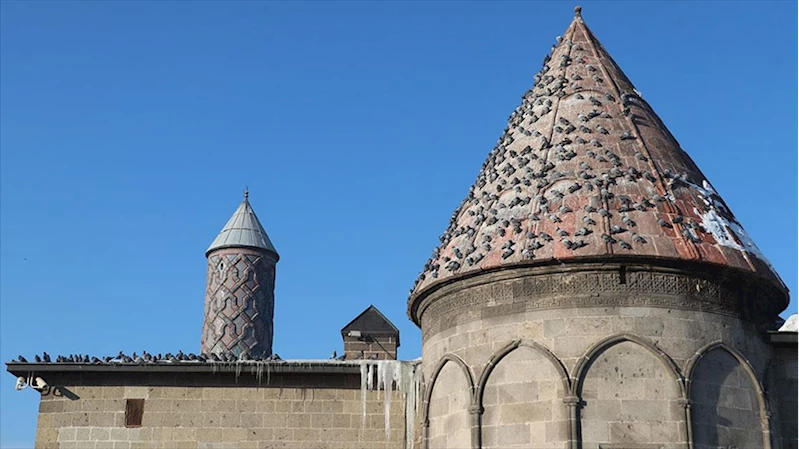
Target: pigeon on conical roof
586, 170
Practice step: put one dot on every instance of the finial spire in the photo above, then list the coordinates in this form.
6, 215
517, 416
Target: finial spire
246, 193
578, 11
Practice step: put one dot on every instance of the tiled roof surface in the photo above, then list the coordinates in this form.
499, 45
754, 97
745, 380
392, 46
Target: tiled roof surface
586, 169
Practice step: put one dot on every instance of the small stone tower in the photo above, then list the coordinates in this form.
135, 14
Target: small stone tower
593, 290
370, 336
240, 292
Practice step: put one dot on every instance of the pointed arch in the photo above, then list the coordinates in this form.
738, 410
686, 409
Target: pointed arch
670, 412
427, 397
762, 403
502, 353
512, 359
585, 361
434, 377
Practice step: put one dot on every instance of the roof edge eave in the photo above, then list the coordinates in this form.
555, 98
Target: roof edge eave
417, 297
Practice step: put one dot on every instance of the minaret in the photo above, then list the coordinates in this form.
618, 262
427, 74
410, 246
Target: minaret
240, 292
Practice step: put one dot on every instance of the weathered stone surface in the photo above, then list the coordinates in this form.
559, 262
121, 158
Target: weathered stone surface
315, 418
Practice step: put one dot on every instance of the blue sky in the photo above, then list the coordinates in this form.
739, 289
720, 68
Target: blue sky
128, 131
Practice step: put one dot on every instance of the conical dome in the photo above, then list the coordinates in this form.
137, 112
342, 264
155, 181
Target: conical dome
243, 230
586, 170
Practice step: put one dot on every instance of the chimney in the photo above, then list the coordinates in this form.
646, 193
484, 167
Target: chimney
370, 336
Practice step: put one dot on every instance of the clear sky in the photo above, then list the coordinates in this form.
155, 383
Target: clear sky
129, 130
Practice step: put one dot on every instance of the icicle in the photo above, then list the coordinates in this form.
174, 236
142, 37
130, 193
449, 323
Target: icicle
384, 376
412, 384
259, 372
369, 377
390, 376
364, 387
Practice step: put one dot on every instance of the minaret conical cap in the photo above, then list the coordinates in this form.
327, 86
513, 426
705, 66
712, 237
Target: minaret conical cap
243, 230
587, 170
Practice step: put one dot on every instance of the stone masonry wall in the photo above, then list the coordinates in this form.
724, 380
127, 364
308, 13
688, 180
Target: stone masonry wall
523, 402
373, 348
449, 417
724, 404
616, 354
783, 388
221, 417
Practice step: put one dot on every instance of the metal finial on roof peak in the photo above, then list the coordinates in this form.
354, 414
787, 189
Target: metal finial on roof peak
246, 193
578, 11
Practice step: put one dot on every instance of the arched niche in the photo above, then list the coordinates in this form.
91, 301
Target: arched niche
727, 403
521, 393
446, 406
630, 394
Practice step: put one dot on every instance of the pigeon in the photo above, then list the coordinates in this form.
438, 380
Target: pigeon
46, 357
334, 355
608, 239
22, 359
616, 229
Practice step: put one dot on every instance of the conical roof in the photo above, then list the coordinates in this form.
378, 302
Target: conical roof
587, 170
243, 230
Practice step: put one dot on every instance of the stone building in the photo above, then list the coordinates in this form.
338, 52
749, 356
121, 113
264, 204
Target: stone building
592, 291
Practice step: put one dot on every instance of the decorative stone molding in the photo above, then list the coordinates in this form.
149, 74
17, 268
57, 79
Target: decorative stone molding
523, 289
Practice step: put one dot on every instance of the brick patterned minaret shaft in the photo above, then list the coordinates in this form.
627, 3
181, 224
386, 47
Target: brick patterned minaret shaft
240, 292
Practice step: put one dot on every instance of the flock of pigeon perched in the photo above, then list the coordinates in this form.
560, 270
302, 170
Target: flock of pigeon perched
571, 176
146, 358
